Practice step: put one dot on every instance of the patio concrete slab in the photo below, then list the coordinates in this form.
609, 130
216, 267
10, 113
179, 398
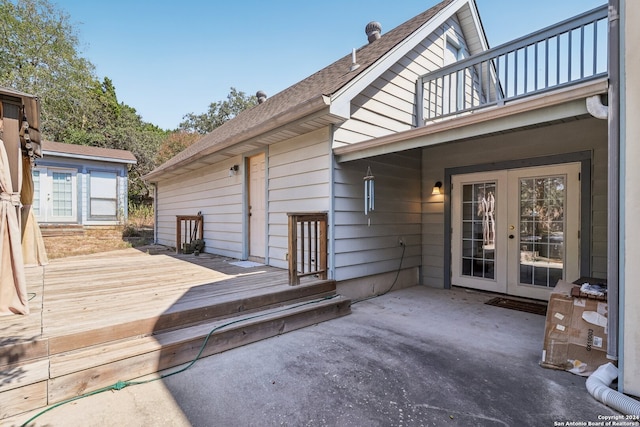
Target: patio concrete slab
413, 357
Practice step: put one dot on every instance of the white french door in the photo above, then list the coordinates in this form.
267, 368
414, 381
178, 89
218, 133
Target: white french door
516, 231
55, 195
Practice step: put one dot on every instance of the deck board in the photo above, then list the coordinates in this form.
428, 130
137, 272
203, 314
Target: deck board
74, 294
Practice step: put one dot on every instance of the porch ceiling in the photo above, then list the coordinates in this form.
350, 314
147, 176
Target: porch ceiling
535, 111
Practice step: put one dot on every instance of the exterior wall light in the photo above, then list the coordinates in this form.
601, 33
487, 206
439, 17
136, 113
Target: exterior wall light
437, 189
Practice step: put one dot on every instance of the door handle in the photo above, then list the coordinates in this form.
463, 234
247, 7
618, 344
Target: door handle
511, 236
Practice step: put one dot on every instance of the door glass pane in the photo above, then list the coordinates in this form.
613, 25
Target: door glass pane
36, 192
62, 194
541, 228
478, 229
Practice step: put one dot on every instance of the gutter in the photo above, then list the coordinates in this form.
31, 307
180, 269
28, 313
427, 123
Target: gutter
613, 226
86, 157
295, 113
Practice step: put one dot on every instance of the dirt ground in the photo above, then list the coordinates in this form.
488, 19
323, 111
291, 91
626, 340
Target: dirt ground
61, 245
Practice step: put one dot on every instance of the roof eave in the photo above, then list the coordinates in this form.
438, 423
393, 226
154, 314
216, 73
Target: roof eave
298, 112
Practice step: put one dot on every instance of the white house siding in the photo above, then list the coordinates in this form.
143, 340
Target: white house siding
369, 245
388, 105
211, 191
576, 136
298, 181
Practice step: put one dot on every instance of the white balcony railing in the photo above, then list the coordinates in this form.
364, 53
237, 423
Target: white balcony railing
570, 52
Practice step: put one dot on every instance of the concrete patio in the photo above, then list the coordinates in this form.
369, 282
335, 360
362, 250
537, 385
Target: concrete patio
413, 357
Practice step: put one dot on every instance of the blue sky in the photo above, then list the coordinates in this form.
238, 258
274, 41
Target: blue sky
171, 58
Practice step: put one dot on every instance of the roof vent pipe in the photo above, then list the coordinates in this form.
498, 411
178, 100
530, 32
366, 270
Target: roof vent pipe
373, 30
261, 96
354, 64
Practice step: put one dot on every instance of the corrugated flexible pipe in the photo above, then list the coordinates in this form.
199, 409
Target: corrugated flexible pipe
598, 386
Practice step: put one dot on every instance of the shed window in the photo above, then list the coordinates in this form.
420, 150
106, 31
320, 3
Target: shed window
104, 194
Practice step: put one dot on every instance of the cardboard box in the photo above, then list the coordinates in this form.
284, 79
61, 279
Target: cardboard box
575, 337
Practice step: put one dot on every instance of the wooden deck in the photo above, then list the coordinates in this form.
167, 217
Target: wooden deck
119, 315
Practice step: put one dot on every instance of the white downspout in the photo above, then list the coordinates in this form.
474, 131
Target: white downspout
155, 213
598, 386
596, 108
615, 291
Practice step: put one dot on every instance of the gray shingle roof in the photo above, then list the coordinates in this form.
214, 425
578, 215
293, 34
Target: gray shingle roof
325, 82
99, 153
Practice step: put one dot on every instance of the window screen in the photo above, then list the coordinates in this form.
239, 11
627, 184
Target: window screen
104, 194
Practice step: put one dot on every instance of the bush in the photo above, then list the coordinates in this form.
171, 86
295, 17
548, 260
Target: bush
141, 215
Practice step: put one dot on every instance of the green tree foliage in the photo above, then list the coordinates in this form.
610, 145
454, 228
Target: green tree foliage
110, 124
40, 55
38, 47
218, 113
175, 143
196, 125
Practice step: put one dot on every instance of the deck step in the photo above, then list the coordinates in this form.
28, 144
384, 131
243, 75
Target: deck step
42, 379
121, 329
179, 315
85, 370
23, 399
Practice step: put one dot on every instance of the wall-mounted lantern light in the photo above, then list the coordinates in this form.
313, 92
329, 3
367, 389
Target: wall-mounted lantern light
437, 189
233, 170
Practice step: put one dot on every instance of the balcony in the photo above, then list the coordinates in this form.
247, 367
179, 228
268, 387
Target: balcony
568, 53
